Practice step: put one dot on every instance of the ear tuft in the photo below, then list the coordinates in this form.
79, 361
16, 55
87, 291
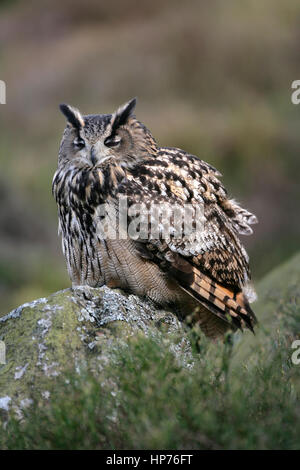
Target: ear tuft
123, 113
73, 115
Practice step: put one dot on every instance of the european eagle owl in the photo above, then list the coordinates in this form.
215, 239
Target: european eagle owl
111, 168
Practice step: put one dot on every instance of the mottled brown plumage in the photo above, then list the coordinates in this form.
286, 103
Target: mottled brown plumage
105, 158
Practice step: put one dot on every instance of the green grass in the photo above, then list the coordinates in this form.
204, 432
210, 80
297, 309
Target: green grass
243, 394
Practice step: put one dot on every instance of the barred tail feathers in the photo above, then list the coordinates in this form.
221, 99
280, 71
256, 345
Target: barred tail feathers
232, 307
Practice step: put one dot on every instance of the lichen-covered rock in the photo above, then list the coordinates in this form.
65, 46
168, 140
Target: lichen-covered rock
71, 329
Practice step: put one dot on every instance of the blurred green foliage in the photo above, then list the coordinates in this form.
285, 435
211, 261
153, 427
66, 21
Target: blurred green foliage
212, 77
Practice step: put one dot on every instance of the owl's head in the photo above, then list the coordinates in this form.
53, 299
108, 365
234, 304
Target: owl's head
98, 138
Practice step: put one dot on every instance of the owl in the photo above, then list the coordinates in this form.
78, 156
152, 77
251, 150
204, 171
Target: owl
122, 204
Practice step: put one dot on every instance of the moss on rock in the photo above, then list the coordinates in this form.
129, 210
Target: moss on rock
74, 328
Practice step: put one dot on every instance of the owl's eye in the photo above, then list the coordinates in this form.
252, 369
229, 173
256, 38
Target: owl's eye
112, 141
79, 143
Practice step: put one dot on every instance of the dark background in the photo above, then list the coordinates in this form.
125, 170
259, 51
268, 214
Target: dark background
213, 78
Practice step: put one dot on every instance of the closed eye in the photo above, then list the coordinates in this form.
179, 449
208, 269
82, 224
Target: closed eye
79, 143
112, 141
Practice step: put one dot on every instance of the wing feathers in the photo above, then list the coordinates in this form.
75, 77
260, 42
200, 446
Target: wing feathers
230, 306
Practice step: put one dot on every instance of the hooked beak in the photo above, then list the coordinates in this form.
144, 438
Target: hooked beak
93, 156
99, 153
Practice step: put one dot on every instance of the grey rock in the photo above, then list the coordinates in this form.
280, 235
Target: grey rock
73, 328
